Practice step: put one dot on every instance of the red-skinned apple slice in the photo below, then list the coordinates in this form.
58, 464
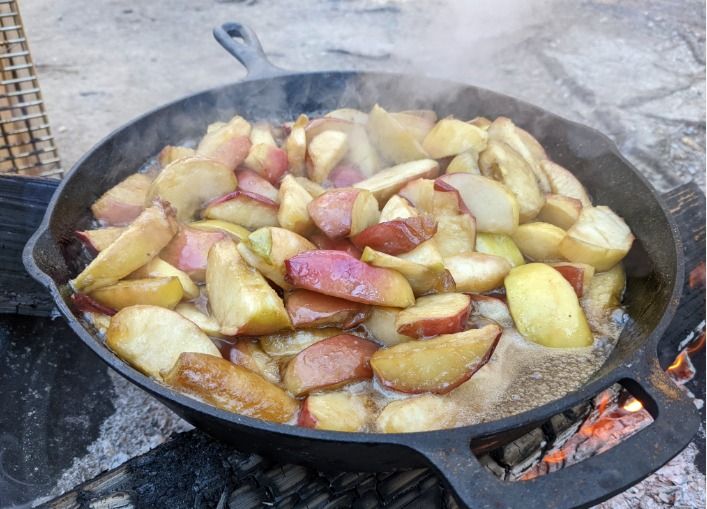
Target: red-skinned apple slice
338, 274
99, 239
329, 364
312, 309
451, 137
446, 200
397, 236
389, 181
189, 249
345, 245
227, 143
345, 175
344, 212
123, 202
561, 211
268, 161
335, 411
324, 152
87, 304
436, 365
252, 182
477, 272
444, 313
579, 275
246, 209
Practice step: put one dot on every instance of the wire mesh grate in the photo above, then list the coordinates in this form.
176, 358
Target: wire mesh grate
27, 145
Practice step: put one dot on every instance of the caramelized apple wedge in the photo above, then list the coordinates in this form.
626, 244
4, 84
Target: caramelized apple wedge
445, 313
294, 200
602, 296
344, 212
190, 183
252, 182
158, 268
579, 275
296, 146
421, 413
499, 244
335, 411
235, 231
123, 202
564, 183
329, 364
151, 338
229, 387
561, 211
599, 238
206, 323
456, 235
324, 152
165, 292
341, 275
477, 272
311, 309
451, 137
289, 343
535, 292
389, 181
99, 239
436, 365
189, 249
397, 236
246, 352
227, 143
137, 245
539, 241
393, 141
240, 298
246, 209
381, 324
170, 153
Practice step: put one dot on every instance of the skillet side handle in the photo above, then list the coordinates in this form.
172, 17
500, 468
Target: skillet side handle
588, 482
248, 50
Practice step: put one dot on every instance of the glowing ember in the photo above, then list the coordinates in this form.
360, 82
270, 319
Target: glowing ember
697, 276
633, 405
682, 370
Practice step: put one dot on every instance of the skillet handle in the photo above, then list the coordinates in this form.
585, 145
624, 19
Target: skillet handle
588, 482
247, 50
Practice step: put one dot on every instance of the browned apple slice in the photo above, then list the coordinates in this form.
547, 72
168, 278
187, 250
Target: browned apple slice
206, 323
466, 162
235, 231
436, 365
246, 352
433, 315
324, 152
345, 245
451, 137
362, 153
190, 183
329, 364
251, 182
229, 387
539, 241
564, 183
389, 181
397, 236
123, 202
393, 141
335, 411
158, 268
341, 275
170, 153
397, 208
421, 413
151, 338
294, 199
87, 304
227, 143
381, 326
491, 308
579, 275
602, 296
344, 212
561, 211
246, 209
296, 146
137, 245
349, 115
456, 235
477, 272
165, 292
240, 298
289, 343
599, 237
99, 239
189, 250
345, 175
311, 309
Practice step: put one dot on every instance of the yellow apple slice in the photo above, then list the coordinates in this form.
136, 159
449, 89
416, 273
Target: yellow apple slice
324, 152
349, 114
165, 292
206, 323
477, 272
466, 162
389, 181
294, 199
99, 239
562, 211
362, 154
397, 208
290, 343
421, 413
158, 268
296, 146
451, 137
539, 242
335, 411
499, 244
456, 235
393, 141
563, 182
602, 296
235, 231
381, 326
228, 143
170, 153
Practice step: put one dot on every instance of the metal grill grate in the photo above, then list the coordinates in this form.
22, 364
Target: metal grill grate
27, 145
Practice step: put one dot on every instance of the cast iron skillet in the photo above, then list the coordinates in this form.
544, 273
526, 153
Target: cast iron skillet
654, 267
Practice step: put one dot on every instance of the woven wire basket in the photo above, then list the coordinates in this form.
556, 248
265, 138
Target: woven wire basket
26, 142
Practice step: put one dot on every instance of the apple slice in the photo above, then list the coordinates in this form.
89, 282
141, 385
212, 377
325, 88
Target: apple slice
158, 268
314, 189
311, 309
362, 153
562, 182
397, 236
417, 125
296, 146
344, 212
233, 388
87, 304
329, 364
324, 152
602, 296
477, 272
286, 344
268, 161
545, 308
151, 338
480, 122
206, 323
426, 254
324, 242
421, 413
123, 202
189, 249
345, 175
456, 235
423, 279
165, 292
499, 244
539, 242
397, 208
335, 411
190, 183
227, 143
493, 206
393, 141
599, 238
99, 321
380, 325
252, 182
389, 181
320, 125
240, 298
349, 115
436, 365
294, 199
170, 153
246, 352
561, 211
99, 239
137, 245
491, 308
341, 275
433, 315
466, 162
246, 209
451, 137
504, 164
447, 201
235, 231
579, 275
419, 192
